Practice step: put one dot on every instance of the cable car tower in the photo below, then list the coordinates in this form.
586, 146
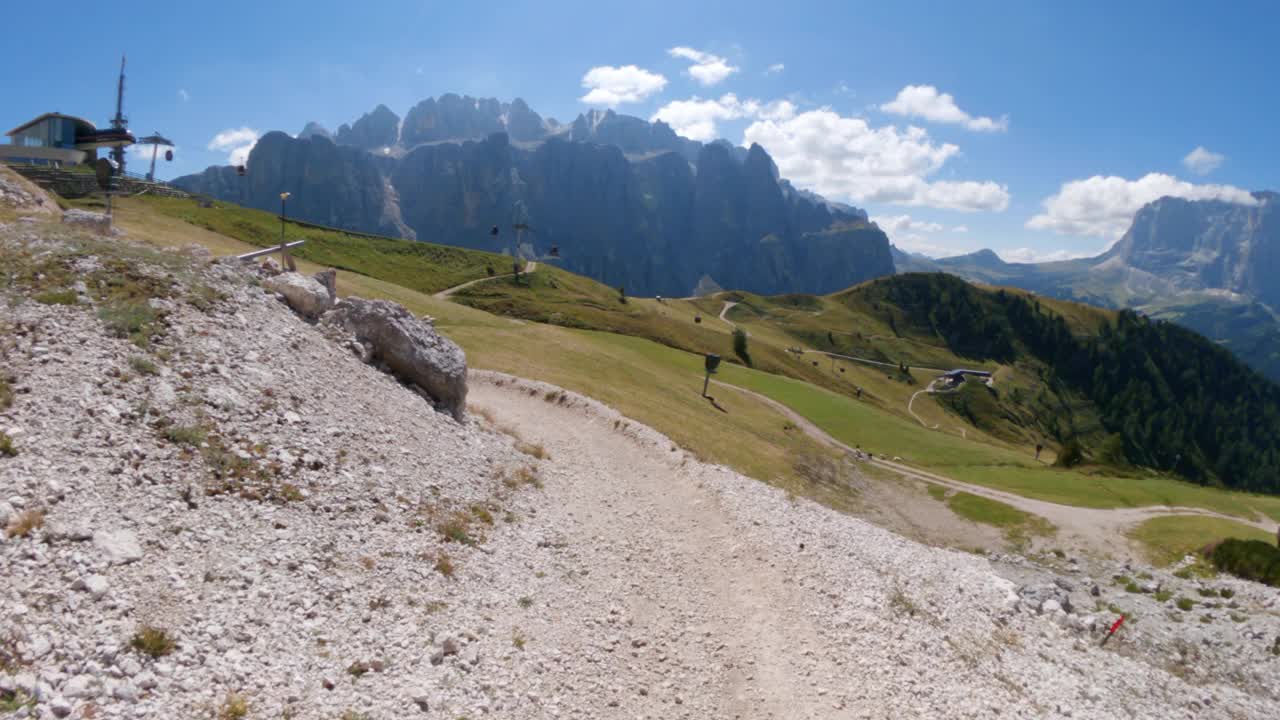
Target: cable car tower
155, 141
120, 122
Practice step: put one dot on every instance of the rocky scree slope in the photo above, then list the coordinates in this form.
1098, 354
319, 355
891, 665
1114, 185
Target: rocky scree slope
314, 540
297, 522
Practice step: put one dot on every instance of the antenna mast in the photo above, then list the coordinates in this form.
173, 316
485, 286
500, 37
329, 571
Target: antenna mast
119, 122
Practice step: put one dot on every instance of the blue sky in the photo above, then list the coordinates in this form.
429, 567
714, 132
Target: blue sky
1032, 128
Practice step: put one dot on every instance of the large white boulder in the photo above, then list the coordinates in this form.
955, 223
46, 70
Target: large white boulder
304, 294
410, 346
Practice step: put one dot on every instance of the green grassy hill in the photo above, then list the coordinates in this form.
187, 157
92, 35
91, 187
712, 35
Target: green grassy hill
1064, 372
647, 364
420, 266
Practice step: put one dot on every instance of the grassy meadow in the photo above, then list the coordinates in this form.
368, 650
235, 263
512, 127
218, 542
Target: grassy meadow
643, 357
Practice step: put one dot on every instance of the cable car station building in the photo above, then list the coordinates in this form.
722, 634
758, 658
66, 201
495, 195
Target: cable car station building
58, 140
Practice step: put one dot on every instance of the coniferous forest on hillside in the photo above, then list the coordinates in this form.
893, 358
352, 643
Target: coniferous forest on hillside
1173, 400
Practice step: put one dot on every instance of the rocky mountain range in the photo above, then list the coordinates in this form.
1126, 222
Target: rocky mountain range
1206, 264
623, 200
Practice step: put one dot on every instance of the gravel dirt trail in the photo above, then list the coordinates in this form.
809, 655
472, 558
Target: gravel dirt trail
724, 598
448, 292
641, 501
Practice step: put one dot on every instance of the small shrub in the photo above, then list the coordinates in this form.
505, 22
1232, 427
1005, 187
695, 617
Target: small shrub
1207, 592
131, 319
6, 393
1249, 559
234, 707
7, 448
358, 669
518, 640
153, 641
1132, 587
1227, 593
56, 297
15, 700
444, 565
457, 528
526, 475
532, 450
526, 602
1163, 595
1185, 604
1072, 454
740, 346
24, 523
185, 434
901, 602
482, 514
143, 366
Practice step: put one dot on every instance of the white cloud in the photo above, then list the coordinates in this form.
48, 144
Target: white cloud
903, 224
707, 69
845, 158
924, 101
1031, 255
775, 68
696, 118
960, 229
1202, 162
1104, 206
183, 95
237, 142
612, 86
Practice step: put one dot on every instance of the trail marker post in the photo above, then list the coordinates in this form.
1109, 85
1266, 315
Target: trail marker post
286, 262
711, 362
1114, 627
105, 170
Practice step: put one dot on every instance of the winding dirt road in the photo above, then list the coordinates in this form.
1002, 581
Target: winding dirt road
444, 294
727, 306
1098, 530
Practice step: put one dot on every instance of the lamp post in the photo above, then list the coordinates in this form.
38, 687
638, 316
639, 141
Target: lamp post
286, 262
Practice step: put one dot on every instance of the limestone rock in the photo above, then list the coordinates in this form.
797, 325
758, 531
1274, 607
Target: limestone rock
410, 347
95, 585
120, 546
304, 294
329, 279
98, 222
